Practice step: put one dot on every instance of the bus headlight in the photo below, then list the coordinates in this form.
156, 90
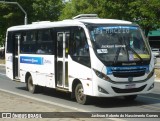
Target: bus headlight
101, 75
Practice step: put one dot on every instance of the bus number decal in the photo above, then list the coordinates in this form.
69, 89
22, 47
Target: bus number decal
102, 51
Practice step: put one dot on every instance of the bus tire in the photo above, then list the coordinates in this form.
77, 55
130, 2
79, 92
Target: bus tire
30, 86
81, 98
130, 97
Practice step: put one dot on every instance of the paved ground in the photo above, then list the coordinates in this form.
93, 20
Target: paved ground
14, 103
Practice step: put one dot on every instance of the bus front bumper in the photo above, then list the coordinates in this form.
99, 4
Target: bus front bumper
108, 89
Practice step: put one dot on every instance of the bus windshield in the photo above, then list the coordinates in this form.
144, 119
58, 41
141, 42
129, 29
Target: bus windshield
119, 43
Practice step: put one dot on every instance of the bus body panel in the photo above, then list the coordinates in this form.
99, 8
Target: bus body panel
9, 65
96, 79
105, 88
41, 68
82, 73
113, 90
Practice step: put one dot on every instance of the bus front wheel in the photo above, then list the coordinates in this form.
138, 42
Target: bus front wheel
81, 98
30, 86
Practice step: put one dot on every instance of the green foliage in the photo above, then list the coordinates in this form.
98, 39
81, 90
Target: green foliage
144, 12
47, 10
11, 15
83, 6
37, 10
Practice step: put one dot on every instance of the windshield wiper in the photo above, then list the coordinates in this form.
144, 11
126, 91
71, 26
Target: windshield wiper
129, 48
118, 51
117, 55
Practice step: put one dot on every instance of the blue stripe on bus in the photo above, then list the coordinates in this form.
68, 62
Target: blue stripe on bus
110, 70
118, 27
31, 60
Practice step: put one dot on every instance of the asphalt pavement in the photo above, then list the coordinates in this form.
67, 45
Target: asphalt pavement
17, 108
12, 103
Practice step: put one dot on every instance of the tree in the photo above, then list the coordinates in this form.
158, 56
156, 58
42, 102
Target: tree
144, 12
76, 7
47, 10
11, 15
37, 10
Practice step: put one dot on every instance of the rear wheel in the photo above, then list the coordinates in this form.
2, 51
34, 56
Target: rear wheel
80, 96
30, 86
130, 97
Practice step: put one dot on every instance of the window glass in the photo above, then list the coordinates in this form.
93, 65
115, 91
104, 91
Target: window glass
28, 42
60, 44
9, 43
37, 41
67, 43
119, 43
79, 47
45, 42
44, 35
12, 42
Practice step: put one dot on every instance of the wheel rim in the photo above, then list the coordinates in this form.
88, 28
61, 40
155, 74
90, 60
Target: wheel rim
80, 94
30, 84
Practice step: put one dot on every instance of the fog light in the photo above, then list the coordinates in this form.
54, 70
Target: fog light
100, 89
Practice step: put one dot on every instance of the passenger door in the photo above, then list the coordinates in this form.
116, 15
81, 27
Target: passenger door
62, 59
16, 52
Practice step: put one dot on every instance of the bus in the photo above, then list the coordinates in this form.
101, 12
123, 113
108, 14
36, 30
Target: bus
86, 56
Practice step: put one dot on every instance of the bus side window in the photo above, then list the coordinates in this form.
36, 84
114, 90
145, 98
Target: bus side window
22, 41
16, 36
79, 47
9, 43
45, 42
67, 43
30, 42
60, 44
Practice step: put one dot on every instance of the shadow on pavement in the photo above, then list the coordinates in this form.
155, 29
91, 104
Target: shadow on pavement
102, 102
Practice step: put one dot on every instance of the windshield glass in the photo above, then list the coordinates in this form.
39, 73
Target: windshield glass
119, 43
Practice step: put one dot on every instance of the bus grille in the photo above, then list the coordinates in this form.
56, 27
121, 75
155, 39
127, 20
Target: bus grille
117, 90
133, 73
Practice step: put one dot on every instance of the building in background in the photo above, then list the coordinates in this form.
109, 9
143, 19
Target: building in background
154, 38
154, 41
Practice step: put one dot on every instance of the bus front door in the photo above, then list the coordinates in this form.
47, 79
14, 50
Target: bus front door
62, 60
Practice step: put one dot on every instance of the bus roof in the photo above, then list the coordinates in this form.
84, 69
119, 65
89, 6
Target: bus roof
68, 22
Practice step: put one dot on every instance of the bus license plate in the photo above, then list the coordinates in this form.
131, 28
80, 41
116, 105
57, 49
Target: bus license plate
130, 86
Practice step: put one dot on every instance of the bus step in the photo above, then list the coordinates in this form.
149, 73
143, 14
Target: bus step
62, 89
16, 79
